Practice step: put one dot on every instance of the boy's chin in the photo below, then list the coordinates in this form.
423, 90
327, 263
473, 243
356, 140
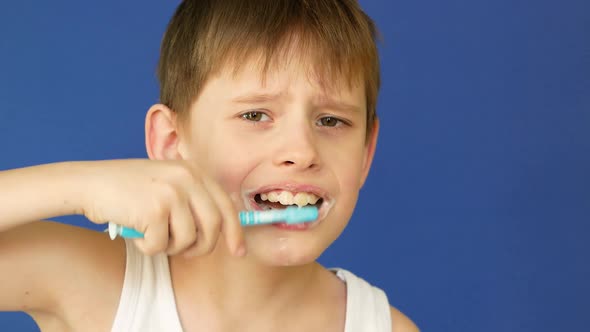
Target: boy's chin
285, 260
286, 255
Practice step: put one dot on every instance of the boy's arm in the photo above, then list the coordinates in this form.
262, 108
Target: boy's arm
50, 269
155, 197
41, 261
40, 192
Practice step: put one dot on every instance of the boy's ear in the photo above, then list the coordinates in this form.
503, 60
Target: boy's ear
161, 133
370, 151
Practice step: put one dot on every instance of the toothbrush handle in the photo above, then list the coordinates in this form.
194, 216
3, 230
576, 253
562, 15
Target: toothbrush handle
291, 215
130, 233
247, 218
250, 218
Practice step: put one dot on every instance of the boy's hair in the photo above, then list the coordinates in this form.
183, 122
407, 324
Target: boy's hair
204, 36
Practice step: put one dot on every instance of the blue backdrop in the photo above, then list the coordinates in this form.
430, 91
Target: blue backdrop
475, 215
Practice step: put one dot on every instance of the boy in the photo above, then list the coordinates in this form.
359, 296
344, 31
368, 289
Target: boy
264, 104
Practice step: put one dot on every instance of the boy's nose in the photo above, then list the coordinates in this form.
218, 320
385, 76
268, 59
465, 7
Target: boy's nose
297, 149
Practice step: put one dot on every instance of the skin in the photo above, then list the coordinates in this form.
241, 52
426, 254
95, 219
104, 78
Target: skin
185, 199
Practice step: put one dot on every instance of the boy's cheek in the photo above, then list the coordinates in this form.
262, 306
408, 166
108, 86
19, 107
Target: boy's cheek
230, 175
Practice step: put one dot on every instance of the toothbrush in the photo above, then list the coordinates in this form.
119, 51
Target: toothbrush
291, 215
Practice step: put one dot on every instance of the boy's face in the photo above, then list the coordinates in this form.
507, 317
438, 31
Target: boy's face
286, 135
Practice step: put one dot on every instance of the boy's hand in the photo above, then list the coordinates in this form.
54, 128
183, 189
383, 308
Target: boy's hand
177, 207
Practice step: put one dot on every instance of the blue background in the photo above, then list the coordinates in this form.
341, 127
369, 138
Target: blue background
475, 215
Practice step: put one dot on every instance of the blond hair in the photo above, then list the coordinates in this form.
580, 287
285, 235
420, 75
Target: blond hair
204, 36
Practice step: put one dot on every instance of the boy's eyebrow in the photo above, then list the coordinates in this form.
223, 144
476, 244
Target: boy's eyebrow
329, 103
251, 98
323, 102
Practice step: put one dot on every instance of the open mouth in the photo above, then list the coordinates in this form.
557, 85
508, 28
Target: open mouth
281, 199
269, 199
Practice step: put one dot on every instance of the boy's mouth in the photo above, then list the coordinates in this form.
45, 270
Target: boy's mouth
282, 197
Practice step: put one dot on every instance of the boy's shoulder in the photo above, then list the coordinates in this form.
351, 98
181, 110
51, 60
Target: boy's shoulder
367, 304
401, 322
67, 274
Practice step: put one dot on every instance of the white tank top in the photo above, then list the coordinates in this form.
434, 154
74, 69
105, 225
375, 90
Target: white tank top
147, 301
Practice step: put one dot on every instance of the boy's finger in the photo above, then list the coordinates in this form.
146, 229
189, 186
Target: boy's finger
183, 230
155, 237
207, 217
231, 229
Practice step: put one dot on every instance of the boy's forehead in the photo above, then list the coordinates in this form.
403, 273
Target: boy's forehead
274, 79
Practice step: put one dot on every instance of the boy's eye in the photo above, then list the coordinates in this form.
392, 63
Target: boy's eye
329, 121
254, 116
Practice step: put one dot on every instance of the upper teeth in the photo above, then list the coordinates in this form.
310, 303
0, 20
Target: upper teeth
288, 198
